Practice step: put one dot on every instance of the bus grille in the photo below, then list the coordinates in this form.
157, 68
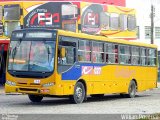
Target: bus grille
22, 83
28, 89
29, 84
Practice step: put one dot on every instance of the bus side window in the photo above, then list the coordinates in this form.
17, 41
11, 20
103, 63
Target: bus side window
80, 56
84, 50
97, 52
111, 53
62, 55
66, 53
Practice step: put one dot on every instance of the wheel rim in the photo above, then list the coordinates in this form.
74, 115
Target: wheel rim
79, 93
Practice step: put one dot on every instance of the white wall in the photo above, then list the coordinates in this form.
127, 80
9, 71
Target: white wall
143, 9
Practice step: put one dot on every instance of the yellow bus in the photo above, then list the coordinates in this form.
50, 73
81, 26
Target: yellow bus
45, 62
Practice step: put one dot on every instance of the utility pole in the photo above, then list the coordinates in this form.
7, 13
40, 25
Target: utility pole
152, 23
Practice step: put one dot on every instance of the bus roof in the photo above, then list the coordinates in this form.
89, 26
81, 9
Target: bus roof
104, 38
91, 37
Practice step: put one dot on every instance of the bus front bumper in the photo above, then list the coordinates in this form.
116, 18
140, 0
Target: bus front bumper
34, 90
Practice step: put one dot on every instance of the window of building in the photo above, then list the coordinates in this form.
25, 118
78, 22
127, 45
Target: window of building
1, 23
135, 55
131, 22
114, 21
97, 52
69, 11
1, 13
104, 20
125, 54
1, 28
69, 25
123, 22
157, 32
111, 53
12, 12
84, 51
10, 26
147, 32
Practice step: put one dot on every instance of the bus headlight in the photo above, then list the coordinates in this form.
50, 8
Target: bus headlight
48, 84
10, 83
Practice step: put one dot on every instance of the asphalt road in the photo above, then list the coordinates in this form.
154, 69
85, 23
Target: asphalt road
147, 102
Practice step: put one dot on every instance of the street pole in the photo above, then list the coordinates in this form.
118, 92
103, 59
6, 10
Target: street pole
152, 24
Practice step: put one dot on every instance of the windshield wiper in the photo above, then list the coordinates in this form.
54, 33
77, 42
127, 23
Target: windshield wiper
14, 51
47, 48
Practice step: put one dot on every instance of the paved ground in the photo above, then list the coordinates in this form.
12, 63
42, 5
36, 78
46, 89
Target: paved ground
1, 89
145, 103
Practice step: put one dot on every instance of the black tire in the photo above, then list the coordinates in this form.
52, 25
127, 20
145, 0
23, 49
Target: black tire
35, 98
132, 89
97, 95
79, 93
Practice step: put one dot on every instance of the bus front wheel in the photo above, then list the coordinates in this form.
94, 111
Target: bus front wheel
35, 98
79, 93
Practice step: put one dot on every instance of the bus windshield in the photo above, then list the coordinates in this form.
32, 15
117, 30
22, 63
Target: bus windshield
31, 55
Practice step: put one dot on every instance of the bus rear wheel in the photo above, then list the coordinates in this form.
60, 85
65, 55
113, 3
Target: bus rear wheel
35, 98
132, 89
79, 93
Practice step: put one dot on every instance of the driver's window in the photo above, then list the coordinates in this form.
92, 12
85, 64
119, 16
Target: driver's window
66, 53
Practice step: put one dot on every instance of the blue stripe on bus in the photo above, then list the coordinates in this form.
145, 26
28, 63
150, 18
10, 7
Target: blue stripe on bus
75, 72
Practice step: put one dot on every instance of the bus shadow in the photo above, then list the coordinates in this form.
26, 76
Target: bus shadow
66, 101
112, 98
48, 102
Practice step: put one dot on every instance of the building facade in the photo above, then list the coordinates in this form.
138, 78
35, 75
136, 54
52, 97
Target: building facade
143, 14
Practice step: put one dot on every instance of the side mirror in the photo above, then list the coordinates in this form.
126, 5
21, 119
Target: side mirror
63, 52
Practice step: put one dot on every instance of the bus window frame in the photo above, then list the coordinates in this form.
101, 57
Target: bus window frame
111, 53
145, 48
58, 46
150, 57
129, 55
79, 50
98, 52
139, 64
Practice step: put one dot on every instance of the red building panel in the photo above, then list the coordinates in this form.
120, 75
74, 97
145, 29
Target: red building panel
112, 2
